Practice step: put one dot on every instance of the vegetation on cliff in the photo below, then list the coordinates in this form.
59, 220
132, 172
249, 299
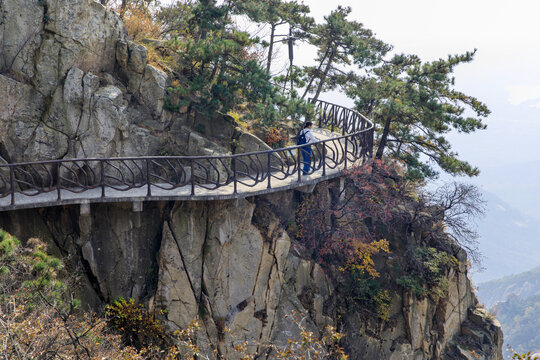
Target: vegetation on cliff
348, 234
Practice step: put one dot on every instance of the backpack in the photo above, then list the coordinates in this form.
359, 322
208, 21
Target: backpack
301, 138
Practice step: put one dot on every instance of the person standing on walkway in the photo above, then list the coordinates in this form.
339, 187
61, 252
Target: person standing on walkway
307, 134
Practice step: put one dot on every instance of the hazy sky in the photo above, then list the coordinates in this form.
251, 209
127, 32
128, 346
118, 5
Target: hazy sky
504, 73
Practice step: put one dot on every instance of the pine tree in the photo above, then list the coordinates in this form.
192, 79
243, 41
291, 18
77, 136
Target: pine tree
217, 71
414, 104
340, 43
276, 13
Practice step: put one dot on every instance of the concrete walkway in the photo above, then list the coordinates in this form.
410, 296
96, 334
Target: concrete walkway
138, 195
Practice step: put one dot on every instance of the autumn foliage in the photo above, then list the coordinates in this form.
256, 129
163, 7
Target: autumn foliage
37, 319
275, 137
344, 231
136, 325
140, 24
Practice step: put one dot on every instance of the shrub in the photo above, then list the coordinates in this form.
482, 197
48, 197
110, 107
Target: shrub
137, 327
275, 138
347, 230
368, 291
139, 23
309, 346
347, 233
427, 272
413, 283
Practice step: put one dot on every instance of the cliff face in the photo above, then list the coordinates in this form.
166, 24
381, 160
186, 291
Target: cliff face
73, 85
233, 265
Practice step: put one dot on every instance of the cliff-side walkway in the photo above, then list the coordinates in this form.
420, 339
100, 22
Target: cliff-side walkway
138, 179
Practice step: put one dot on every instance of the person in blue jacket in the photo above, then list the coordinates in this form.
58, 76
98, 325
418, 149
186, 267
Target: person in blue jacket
307, 134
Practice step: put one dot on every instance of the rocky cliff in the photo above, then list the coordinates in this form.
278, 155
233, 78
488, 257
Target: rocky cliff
73, 85
234, 265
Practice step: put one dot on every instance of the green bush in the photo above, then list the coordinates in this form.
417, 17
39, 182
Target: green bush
368, 291
427, 271
8, 244
413, 283
136, 325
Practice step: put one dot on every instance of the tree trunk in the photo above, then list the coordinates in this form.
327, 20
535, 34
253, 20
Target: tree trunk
314, 75
203, 30
323, 77
384, 137
270, 48
123, 8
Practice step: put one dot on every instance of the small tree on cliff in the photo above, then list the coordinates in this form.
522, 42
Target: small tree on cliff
37, 313
457, 206
414, 105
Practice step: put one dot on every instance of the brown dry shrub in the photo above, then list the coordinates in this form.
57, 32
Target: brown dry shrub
140, 25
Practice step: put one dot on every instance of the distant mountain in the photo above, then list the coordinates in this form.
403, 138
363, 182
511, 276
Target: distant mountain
520, 321
510, 243
509, 240
523, 285
515, 301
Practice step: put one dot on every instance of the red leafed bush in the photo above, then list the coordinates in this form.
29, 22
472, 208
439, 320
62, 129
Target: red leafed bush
344, 230
275, 138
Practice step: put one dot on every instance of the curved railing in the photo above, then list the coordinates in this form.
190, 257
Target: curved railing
211, 173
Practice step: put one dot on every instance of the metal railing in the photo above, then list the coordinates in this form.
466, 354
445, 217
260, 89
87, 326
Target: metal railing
205, 172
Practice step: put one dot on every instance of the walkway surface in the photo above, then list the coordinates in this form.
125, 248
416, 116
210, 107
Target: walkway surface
84, 181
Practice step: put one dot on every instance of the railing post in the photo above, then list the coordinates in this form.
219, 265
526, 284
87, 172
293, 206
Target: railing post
269, 186
192, 180
324, 159
12, 183
370, 142
102, 181
298, 167
149, 186
235, 182
58, 185
344, 122
333, 115
345, 155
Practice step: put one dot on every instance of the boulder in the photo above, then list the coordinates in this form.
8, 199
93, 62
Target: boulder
246, 142
22, 108
152, 90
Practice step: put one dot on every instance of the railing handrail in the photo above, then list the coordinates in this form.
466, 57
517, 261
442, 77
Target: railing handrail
180, 157
351, 145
